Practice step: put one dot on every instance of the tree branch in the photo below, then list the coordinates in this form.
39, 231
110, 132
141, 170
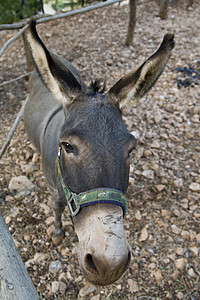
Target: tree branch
7, 142
15, 79
132, 22
12, 26
12, 39
59, 16
78, 11
15, 281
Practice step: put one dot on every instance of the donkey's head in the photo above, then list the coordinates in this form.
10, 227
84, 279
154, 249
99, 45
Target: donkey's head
93, 159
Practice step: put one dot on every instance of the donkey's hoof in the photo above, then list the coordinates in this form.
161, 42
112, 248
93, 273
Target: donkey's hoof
57, 238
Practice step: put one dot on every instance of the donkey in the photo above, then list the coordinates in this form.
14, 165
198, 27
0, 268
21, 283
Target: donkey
85, 148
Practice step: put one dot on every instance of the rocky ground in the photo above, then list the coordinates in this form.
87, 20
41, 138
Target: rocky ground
163, 221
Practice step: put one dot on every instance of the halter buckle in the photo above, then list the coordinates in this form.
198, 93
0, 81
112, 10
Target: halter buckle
73, 206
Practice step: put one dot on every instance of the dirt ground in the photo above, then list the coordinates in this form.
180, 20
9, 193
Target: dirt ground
163, 220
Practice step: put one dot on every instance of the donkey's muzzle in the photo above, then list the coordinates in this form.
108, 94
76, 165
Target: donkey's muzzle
104, 253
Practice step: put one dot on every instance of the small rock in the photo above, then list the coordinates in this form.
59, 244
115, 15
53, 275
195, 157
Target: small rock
157, 117
154, 166
138, 215
87, 289
195, 187
166, 260
96, 297
55, 287
174, 138
49, 221
29, 263
175, 229
179, 149
28, 169
35, 157
10, 96
185, 235
158, 275
69, 276
192, 235
48, 34
160, 187
7, 220
176, 274
152, 266
155, 144
191, 272
50, 230
135, 134
139, 153
180, 295
193, 208
20, 183
198, 237
179, 251
23, 193
194, 250
143, 235
148, 174
165, 213
133, 285
9, 198
46, 208
164, 136
184, 203
180, 263
149, 134
197, 109
159, 197
177, 212
197, 215
160, 172
195, 118
178, 183
17, 243
62, 287
40, 257
55, 266
14, 212
65, 251
126, 53
109, 62
63, 277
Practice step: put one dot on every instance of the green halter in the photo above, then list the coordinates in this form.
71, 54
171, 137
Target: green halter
101, 195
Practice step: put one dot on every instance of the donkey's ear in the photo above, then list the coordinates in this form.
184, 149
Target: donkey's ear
134, 85
56, 76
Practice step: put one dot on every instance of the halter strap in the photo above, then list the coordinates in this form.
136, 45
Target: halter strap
101, 195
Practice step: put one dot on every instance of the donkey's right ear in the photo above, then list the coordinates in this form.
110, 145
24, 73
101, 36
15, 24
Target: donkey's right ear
57, 77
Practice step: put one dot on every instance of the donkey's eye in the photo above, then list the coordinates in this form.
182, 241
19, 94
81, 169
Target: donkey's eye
68, 148
130, 151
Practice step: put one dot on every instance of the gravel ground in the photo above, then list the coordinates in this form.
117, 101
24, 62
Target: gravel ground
163, 221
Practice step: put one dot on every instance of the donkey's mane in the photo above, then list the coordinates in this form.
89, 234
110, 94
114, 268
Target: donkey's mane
96, 86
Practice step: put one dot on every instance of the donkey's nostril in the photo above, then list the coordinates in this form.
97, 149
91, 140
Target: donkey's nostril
89, 262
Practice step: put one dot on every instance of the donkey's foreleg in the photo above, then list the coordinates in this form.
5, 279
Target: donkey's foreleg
58, 233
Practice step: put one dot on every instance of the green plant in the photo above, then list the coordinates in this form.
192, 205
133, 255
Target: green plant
12, 11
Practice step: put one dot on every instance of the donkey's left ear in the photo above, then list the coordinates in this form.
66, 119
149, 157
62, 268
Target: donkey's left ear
134, 85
